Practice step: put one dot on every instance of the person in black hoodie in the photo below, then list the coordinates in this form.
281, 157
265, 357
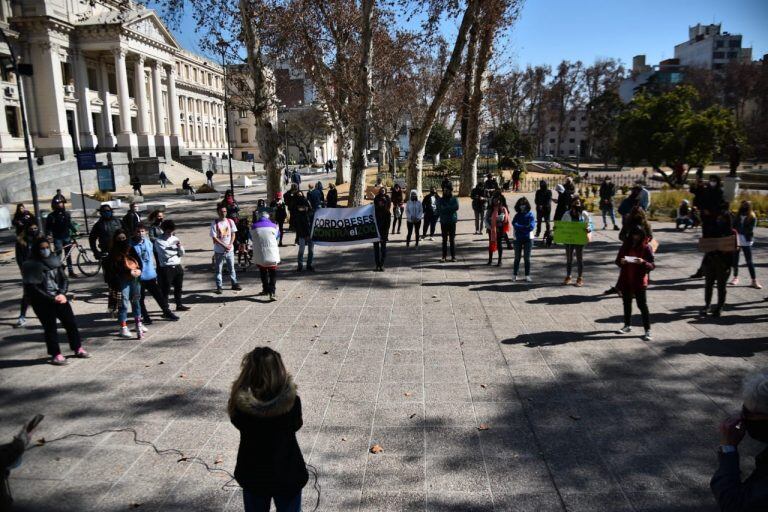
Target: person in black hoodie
398, 207
24, 243
429, 205
717, 265
59, 227
478, 206
46, 285
382, 208
332, 197
266, 409
543, 202
302, 223
607, 193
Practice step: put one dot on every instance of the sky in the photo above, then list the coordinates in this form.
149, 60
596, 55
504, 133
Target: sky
549, 31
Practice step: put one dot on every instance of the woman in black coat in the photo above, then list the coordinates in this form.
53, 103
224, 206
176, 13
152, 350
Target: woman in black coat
266, 410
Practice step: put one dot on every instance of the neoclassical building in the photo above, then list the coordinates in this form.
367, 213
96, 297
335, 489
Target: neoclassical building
107, 75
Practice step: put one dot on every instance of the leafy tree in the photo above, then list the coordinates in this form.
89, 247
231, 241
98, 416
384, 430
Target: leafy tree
509, 142
440, 141
666, 130
603, 114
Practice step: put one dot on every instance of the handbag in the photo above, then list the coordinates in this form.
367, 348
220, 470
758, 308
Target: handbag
721, 244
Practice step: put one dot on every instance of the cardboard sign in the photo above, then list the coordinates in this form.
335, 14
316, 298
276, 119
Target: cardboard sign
345, 226
570, 233
722, 244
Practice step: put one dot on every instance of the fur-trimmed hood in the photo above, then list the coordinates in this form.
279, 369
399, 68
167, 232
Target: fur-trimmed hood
281, 404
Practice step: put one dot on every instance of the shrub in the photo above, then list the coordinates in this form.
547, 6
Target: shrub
205, 189
102, 196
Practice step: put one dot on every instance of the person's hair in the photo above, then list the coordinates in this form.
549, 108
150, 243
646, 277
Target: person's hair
113, 254
750, 211
636, 230
543, 185
168, 226
577, 203
35, 252
18, 209
219, 206
153, 215
569, 186
132, 204
716, 179
22, 237
523, 201
139, 227
755, 392
262, 373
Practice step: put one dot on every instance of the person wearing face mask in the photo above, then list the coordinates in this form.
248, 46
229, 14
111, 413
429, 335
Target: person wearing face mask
635, 259
414, 213
448, 208
523, 223
21, 219
564, 197
382, 209
59, 227
281, 213
576, 214
607, 193
144, 249
717, 264
543, 202
479, 201
397, 207
123, 269
169, 252
303, 226
45, 286
733, 494
233, 209
155, 220
132, 218
497, 224
744, 224
24, 243
429, 205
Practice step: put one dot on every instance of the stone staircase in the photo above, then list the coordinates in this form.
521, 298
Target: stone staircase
178, 172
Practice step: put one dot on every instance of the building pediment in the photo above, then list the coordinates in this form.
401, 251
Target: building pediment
147, 24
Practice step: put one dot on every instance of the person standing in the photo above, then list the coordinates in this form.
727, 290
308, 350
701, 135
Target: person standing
382, 209
398, 207
516, 179
332, 198
564, 198
429, 205
223, 231
144, 249
209, 178
233, 209
58, 198
45, 286
708, 199
103, 231
645, 195
266, 253
281, 213
497, 223
265, 407
316, 197
635, 259
21, 219
744, 224
717, 265
523, 223
170, 272
490, 185
448, 207
414, 213
59, 227
303, 225
132, 218
543, 201
296, 179
155, 220
576, 214
136, 185
607, 193
290, 200
122, 269
163, 180
25, 241
479, 201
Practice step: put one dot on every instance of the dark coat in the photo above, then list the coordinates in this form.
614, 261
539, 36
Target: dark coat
634, 277
563, 204
332, 198
44, 279
58, 224
302, 217
731, 493
269, 460
101, 235
382, 205
130, 221
543, 201
746, 228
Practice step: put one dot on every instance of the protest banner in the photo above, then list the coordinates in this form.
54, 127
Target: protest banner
344, 226
570, 233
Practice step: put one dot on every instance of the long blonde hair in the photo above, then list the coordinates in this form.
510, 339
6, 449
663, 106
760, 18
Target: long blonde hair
262, 373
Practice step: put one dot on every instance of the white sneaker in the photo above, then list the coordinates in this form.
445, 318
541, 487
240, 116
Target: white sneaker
125, 332
143, 328
647, 336
514, 278
624, 330
734, 281
528, 278
21, 322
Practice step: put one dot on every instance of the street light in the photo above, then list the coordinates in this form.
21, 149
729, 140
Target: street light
223, 45
26, 70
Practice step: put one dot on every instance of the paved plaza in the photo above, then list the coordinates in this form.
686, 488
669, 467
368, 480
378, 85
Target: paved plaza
483, 393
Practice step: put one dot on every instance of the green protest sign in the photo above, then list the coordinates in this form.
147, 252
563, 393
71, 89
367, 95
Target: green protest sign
570, 233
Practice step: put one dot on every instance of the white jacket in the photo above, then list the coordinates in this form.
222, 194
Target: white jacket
265, 234
169, 251
414, 211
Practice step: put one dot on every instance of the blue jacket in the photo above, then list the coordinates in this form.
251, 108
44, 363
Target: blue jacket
146, 253
523, 224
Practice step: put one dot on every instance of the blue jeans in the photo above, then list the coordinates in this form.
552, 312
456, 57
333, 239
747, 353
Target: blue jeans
254, 503
747, 250
613, 216
219, 259
131, 291
306, 242
524, 247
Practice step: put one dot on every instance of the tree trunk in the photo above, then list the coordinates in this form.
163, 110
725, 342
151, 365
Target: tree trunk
343, 152
469, 124
382, 155
359, 162
420, 134
263, 106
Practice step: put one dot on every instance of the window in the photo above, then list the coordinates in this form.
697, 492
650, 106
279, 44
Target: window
186, 71
719, 44
92, 82
12, 118
718, 55
733, 55
571, 152
194, 74
551, 128
734, 43
210, 78
243, 113
573, 129
571, 141
551, 141
244, 135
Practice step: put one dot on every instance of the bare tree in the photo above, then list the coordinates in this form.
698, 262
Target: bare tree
304, 127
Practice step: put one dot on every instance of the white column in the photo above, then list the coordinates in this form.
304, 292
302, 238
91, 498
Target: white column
126, 139
173, 112
53, 137
145, 137
82, 89
162, 142
108, 138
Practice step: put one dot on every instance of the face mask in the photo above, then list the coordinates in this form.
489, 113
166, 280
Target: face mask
45, 253
712, 183
33, 234
523, 209
106, 215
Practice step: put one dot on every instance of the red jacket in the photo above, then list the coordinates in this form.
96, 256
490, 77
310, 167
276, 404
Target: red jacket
634, 277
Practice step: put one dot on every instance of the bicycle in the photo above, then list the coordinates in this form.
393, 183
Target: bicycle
87, 263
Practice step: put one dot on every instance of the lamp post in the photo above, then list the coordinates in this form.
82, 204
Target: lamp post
24, 70
223, 45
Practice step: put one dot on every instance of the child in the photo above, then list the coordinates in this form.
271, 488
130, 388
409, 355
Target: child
576, 214
266, 410
635, 259
244, 241
266, 253
523, 224
497, 224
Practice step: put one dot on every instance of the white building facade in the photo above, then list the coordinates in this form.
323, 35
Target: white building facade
707, 47
107, 75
